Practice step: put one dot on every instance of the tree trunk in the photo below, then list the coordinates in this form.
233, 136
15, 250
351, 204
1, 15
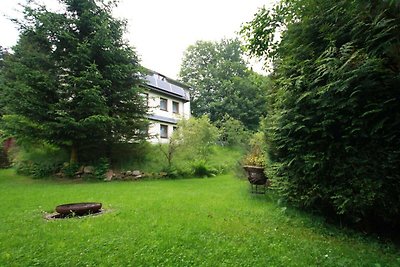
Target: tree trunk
74, 154
109, 151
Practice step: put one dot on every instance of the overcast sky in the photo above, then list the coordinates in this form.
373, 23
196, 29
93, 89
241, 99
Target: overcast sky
161, 30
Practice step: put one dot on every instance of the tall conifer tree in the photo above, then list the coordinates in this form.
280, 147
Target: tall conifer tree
72, 79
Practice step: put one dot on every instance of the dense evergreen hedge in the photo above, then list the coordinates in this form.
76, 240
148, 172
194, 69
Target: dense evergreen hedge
333, 126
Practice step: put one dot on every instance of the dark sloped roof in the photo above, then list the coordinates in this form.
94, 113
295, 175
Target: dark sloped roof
167, 86
163, 119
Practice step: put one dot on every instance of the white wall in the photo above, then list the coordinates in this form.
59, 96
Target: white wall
154, 108
154, 132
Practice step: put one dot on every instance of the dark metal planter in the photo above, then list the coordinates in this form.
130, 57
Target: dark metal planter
257, 178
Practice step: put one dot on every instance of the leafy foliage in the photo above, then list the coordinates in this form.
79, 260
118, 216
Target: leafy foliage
232, 131
222, 84
38, 160
72, 80
3, 54
196, 137
201, 168
70, 169
190, 148
334, 112
100, 168
256, 154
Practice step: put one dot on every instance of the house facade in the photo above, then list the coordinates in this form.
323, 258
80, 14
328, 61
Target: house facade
168, 101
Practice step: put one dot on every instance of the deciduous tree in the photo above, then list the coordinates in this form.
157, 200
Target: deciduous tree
222, 84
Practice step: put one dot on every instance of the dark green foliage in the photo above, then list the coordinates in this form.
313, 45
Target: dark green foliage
124, 155
170, 172
221, 83
232, 132
203, 169
100, 168
190, 148
4, 162
195, 138
38, 160
3, 54
333, 125
72, 80
70, 169
220, 159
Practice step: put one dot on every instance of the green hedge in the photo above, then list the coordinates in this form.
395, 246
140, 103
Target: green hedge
333, 126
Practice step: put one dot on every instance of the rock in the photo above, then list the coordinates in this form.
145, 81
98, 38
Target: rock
88, 169
117, 176
128, 173
109, 175
80, 170
136, 173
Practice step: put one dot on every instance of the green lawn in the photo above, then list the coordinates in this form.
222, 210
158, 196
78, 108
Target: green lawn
192, 222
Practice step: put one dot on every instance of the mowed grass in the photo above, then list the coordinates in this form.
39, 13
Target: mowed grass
192, 222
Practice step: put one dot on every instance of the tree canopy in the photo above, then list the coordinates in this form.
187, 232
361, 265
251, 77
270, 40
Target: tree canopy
334, 110
3, 54
72, 79
222, 84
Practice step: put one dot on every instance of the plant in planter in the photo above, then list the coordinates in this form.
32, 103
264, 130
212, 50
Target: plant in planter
254, 163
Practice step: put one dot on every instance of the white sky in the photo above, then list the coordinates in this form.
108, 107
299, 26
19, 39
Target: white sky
161, 30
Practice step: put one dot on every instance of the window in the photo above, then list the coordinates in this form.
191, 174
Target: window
146, 99
163, 104
175, 107
163, 131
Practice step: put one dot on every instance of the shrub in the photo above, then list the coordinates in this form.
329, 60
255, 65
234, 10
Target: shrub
70, 169
100, 168
200, 168
192, 141
232, 132
38, 160
256, 156
333, 119
196, 137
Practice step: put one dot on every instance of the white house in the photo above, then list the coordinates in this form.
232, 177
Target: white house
168, 101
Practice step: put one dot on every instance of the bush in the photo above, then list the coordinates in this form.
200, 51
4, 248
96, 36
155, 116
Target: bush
100, 168
333, 119
175, 172
192, 141
232, 132
256, 154
124, 155
200, 168
39, 160
196, 137
70, 169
